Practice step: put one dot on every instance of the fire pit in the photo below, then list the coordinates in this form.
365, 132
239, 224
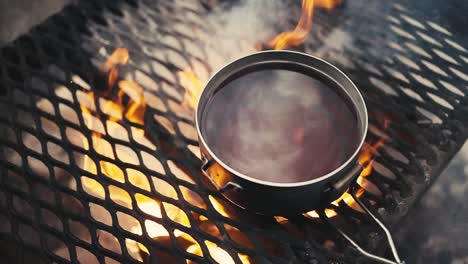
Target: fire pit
99, 154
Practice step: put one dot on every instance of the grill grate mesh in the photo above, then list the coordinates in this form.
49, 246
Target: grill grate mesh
418, 81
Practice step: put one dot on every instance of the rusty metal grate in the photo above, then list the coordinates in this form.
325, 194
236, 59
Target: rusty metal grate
410, 69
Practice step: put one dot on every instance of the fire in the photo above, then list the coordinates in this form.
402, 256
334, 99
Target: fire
129, 104
193, 87
193, 84
133, 110
218, 254
366, 159
303, 27
119, 57
327, 4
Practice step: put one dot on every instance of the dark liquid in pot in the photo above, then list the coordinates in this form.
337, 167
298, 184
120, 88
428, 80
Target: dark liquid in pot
280, 126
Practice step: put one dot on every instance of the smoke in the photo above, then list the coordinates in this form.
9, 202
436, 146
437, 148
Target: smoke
17, 17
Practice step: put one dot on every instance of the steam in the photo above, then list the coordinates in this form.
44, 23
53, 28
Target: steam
272, 152
237, 29
280, 126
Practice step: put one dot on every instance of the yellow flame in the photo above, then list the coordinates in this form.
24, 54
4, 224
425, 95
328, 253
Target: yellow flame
118, 57
193, 87
136, 107
133, 111
299, 34
115, 109
219, 207
327, 4
303, 27
220, 255
366, 158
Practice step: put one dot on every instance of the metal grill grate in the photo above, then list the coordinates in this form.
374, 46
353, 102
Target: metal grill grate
409, 69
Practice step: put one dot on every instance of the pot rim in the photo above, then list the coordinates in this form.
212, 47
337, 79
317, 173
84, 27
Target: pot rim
279, 184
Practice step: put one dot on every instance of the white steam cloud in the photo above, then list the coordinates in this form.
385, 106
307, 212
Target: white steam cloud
239, 28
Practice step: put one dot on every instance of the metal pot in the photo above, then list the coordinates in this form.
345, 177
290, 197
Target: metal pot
271, 198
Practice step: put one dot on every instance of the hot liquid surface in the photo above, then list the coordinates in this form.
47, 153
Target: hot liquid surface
280, 126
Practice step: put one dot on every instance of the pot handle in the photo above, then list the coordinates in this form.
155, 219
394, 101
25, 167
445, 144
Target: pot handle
228, 186
348, 178
355, 244
336, 189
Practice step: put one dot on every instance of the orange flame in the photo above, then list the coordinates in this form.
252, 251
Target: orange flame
193, 87
119, 57
327, 4
133, 111
303, 27
136, 107
366, 158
